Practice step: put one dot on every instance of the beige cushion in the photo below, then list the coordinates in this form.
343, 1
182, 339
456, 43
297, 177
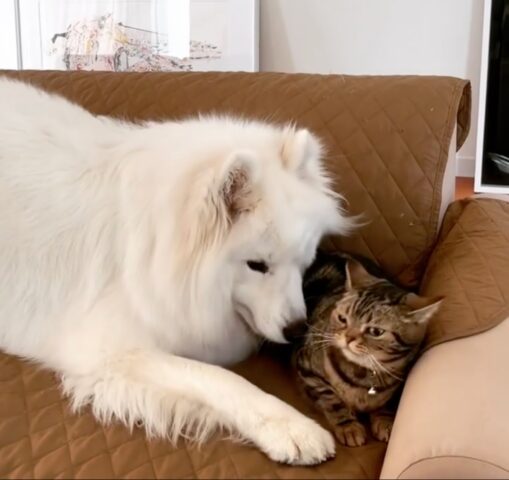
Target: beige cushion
454, 468
453, 419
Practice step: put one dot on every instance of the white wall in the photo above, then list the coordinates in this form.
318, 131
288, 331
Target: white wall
8, 57
432, 37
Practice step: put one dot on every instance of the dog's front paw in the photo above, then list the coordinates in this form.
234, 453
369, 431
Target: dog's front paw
294, 439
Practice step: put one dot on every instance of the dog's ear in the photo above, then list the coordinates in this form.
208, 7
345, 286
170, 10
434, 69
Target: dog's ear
213, 200
237, 181
301, 152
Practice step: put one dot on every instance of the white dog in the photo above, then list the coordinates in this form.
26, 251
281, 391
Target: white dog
136, 258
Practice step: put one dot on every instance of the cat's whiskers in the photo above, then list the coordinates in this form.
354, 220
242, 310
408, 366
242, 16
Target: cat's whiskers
384, 369
320, 344
320, 340
328, 336
376, 370
322, 336
316, 328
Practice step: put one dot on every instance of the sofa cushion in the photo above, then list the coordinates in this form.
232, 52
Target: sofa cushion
40, 438
387, 137
470, 266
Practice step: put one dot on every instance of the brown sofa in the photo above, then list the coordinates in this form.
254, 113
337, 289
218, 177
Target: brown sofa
391, 147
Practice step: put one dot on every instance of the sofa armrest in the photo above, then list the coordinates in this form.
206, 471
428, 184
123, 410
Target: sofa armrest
453, 419
449, 181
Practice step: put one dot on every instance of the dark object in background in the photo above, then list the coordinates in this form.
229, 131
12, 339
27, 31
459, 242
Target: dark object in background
496, 129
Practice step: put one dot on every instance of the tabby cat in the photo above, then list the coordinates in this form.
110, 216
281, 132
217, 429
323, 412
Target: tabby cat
364, 333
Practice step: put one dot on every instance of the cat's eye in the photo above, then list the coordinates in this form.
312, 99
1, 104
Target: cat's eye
375, 331
258, 266
342, 319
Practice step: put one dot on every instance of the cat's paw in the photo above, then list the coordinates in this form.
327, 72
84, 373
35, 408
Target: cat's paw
381, 427
351, 434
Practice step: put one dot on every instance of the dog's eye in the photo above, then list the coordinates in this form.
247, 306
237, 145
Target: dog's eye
258, 266
375, 331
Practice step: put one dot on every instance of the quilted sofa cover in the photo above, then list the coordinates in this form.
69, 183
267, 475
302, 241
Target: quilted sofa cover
387, 139
471, 265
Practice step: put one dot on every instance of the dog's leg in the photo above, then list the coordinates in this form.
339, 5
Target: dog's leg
172, 395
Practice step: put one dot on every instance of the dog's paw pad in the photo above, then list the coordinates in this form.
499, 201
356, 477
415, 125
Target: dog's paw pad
296, 441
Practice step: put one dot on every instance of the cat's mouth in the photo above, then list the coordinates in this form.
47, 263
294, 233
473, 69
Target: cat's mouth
359, 357
353, 352
351, 347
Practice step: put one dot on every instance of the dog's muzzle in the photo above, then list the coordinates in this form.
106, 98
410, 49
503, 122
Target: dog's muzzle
295, 330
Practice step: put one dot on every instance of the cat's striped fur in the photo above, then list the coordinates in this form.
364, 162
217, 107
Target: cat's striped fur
364, 333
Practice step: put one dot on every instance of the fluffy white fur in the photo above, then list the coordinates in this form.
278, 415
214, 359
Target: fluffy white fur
123, 262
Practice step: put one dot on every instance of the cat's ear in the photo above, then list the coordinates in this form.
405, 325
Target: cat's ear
421, 308
357, 276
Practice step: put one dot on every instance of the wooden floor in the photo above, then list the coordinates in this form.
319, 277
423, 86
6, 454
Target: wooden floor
464, 187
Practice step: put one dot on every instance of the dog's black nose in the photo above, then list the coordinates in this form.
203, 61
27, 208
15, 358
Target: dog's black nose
295, 330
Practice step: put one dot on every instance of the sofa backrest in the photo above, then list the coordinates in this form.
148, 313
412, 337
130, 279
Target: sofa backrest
387, 138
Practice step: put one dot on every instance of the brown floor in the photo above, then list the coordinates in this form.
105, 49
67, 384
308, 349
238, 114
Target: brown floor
464, 187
